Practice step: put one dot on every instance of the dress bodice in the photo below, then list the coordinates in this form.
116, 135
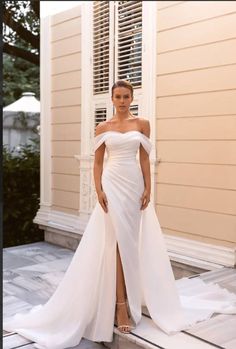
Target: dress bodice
122, 146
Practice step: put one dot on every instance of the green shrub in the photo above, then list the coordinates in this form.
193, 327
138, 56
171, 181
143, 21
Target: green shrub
21, 192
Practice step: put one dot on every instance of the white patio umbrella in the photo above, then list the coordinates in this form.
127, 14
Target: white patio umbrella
16, 133
27, 104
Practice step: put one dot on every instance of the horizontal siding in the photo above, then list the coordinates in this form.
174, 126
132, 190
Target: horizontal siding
183, 14
196, 120
65, 165
66, 64
209, 176
196, 58
65, 182
165, 4
198, 152
66, 80
66, 29
66, 115
196, 222
66, 16
66, 46
211, 79
200, 238
196, 198
65, 148
66, 132
66, 97
65, 199
199, 104
203, 33
195, 128
66, 109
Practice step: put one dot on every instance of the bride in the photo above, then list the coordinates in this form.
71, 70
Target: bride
121, 262
124, 122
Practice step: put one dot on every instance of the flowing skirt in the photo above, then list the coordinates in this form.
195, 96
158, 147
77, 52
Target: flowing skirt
83, 304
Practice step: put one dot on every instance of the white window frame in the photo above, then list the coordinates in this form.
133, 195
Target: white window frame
145, 97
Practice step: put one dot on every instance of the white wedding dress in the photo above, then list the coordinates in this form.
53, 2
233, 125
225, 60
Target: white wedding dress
83, 304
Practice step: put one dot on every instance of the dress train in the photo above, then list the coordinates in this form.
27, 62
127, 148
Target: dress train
83, 304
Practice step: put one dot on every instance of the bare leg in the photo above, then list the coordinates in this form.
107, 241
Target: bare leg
120, 281
121, 309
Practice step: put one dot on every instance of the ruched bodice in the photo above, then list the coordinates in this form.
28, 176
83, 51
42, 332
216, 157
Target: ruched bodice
121, 148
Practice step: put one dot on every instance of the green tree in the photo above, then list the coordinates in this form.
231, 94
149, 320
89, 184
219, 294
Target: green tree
19, 76
21, 191
21, 30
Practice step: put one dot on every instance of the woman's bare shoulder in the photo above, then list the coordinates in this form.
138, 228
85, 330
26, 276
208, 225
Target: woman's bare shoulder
144, 126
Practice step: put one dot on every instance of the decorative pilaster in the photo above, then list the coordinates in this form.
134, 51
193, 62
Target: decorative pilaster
45, 121
149, 79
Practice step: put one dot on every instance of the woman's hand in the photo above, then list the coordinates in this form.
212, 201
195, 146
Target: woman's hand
145, 199
103, 200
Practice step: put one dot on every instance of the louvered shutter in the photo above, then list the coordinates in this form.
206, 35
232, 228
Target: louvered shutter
129, 46
101, 19
117, 53
100, 115
134, 109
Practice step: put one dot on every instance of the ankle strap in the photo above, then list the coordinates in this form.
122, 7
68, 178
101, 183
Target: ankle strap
119, 303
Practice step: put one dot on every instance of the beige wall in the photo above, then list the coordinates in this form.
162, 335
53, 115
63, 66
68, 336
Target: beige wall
196, 120
66, 109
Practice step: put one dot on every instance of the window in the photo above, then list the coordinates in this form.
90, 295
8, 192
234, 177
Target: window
129, 57
100, 46
117, 52
100, 115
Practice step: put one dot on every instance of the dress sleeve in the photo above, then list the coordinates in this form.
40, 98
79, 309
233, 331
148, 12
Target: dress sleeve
98, 140
146, 143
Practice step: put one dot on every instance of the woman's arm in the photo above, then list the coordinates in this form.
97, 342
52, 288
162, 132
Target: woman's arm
145, 166
97, 171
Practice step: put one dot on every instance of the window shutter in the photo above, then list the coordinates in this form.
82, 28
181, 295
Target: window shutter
129, 48
117, 53
100, 115
101, 18
134, 109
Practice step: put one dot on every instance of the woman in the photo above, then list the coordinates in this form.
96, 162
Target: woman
123, 122
121, 262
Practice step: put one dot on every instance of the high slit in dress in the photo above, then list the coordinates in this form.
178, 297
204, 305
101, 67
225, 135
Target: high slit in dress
83, 305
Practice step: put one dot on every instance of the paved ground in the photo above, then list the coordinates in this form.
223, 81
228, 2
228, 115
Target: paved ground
30, 275
32, 272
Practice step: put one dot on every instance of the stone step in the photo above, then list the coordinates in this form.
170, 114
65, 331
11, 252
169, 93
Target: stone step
12, 340
147, 335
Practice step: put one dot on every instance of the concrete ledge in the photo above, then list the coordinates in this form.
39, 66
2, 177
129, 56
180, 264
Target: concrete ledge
61, 238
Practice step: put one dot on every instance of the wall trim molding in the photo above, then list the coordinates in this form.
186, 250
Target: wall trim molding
45, 113
185, 251
45, 120
50, 218
199, 254
86, 75
148, 98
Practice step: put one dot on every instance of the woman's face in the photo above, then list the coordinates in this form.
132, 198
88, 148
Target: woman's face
122, 99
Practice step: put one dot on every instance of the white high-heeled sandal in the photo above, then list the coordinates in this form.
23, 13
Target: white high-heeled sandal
126, 328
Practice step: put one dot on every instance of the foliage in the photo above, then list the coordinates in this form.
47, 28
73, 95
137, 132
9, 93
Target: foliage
21, 180
21, 190
19, 76
21, 29
23, 13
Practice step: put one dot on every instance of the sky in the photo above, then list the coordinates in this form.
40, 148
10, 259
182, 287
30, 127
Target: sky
51, 7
